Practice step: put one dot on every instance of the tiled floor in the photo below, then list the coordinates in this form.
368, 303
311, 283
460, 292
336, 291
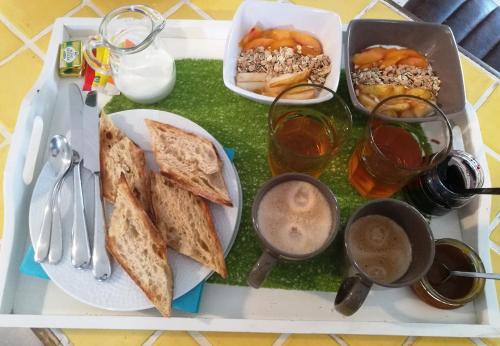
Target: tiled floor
25, 27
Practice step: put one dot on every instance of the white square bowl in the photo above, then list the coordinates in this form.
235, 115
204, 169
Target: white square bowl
325, 25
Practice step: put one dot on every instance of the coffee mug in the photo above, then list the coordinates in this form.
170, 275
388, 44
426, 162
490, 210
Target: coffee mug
295, 217
405, 232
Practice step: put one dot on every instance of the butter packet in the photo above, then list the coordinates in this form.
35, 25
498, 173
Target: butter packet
71, 61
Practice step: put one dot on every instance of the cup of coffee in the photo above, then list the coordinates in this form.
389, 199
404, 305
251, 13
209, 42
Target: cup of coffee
296, 217
388, 243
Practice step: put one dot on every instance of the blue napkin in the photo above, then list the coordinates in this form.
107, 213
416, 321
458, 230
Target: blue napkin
189, 302
30, 267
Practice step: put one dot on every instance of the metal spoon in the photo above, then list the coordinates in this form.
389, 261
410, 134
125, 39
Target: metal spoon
80, 247
450, 273
480, 191
60, 156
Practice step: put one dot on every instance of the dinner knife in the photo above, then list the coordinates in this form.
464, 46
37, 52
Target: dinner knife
80, 248
101, 267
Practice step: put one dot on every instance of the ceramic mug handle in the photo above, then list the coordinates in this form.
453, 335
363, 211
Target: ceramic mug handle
351, 294
261, 269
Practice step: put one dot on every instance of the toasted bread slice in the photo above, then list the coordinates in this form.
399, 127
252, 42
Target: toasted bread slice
136, 244
190, 161
109, 135
119, 155
185, 222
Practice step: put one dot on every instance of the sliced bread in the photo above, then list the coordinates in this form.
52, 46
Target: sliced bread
109, 135
119, 155
185, 223
137, 245
189, 160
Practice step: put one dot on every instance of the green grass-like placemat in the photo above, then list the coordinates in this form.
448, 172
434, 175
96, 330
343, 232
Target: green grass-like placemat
200, 95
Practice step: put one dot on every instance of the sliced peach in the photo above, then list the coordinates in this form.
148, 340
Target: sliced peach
308, 50
305, 39
273, 91
414, 61
300, 89
403, 52
258, 42
420, 92
255, 32
288, 79
367, 101
373, 64
280, 34
368, 57
287, 42
391, 61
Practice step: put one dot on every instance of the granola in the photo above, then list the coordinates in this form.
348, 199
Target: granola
284, 60
405, 75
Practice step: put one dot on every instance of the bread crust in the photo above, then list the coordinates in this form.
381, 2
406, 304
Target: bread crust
159, 247
221, 263
180, 180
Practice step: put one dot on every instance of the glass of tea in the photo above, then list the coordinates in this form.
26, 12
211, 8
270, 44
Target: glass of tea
394, 149
305, 136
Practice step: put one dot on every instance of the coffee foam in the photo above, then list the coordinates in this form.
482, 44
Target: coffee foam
295, 217
380, 247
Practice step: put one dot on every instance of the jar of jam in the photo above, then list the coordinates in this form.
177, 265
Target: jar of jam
438, 288
437, 191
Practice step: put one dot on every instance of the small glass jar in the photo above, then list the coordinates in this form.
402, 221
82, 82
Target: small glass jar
428, 293
431, 192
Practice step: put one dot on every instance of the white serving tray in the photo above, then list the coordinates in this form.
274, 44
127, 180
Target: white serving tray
30, 302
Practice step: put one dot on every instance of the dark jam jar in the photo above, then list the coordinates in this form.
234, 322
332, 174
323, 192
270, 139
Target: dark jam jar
439, 289
435, 192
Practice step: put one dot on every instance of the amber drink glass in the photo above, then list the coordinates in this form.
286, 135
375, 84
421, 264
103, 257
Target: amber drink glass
304, 138
395, 149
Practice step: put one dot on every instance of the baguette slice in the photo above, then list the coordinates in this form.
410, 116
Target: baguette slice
136, 244
119, 155
190, 161
185, 222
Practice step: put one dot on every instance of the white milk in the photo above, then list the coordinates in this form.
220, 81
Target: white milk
146, 77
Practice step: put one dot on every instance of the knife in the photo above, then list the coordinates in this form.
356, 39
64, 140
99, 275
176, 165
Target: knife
101, 267
80, 248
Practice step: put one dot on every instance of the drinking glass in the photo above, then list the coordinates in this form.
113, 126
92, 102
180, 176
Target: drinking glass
395, 149
304, 138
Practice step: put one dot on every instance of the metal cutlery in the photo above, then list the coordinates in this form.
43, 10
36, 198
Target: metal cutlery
80, 248
101, 266
60, 161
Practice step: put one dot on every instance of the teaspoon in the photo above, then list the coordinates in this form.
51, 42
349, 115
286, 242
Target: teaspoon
60, 158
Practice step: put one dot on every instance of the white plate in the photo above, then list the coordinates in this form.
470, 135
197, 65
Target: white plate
325, 25
119, 292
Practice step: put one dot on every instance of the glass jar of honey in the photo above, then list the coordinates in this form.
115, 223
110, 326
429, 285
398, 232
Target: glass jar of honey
443, 291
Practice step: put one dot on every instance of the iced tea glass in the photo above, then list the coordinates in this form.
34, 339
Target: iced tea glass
305, 135
399, 142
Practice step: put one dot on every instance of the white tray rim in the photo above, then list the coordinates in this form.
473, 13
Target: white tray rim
15, 160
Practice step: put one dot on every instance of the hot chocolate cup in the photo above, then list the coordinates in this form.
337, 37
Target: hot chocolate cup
272, 252
355, 288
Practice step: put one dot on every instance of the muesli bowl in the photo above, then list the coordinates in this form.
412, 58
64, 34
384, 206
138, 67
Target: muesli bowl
436, 42
323, 25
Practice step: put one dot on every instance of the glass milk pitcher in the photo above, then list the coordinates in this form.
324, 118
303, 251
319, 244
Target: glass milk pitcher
139, 63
